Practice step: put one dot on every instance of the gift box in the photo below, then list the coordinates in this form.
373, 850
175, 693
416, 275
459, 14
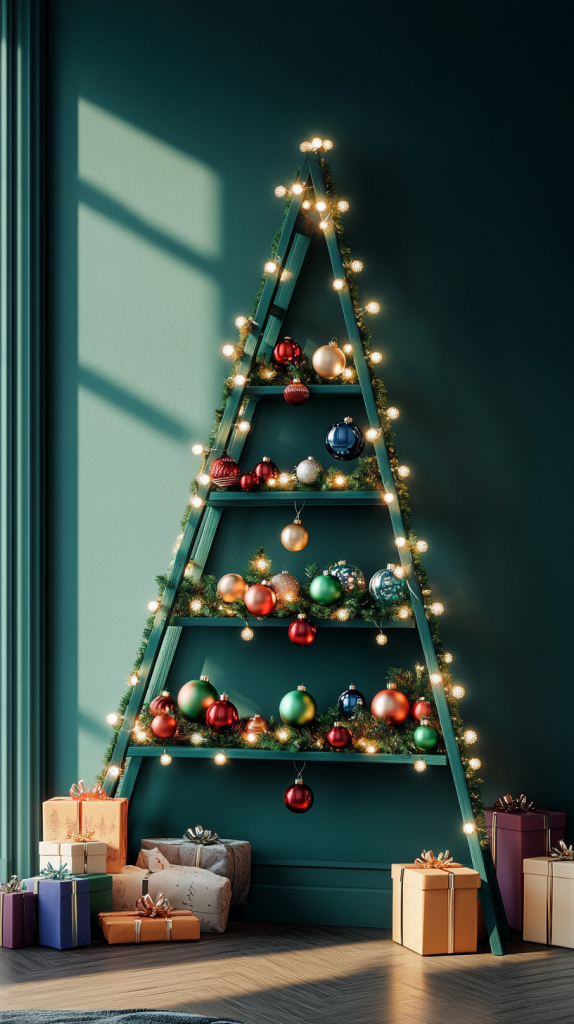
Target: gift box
206, 894
78, 857
100, 899
107, 820
125, 926
62, 911
230, 858
435, 909
17, 919
516, 836
549, 901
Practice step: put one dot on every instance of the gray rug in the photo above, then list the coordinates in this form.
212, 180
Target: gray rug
108, 1017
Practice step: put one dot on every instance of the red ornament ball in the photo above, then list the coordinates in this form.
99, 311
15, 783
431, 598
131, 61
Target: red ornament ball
302, 632
221, 714
299, 798
163, 726
391, 705
248, 482
265, 469
254, 727
339, 737
287, 351
162, 705
421, 709
259, 599
224, 472
296, 393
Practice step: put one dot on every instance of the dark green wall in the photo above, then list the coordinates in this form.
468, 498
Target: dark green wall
169, 130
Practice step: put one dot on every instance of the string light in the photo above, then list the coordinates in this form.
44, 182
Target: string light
240, 321
247, 633
470, 736
339, 480
420, 766
403, 472
306, 204
458, 692
342, 206
399, 572
280, 191
267, 374
373, 307
153, 606
381, 639
388, 497
165, 758
239, 379
356, 266
437, 608
338, 284
189, 569
114, 771
271, 481
140, 736
198, 449
262, 564
348, 373
316, 143
297, 188
347, 349
422, 546
435, 677
373, 433
112, 718
448, 659
404, 613
475, 763
285, 275
196, 501
228, 350
321, 206
376, 357
342, 614
393, 413
401, 542
327, 144
221, 758
244, 426
178, 541
323, 224
282, 735
270, 267
196, 738
284, 479
203, 479
133, 679
305, 147
196, 605
426, 591
371, 749
252, 737
469, 828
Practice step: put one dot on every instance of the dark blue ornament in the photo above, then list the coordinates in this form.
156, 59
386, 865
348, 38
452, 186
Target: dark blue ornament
385, 586
350, 700
349, 576
344, 441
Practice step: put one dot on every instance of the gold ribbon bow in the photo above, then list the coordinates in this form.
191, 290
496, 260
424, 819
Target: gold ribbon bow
78, 791
509, 804
146, 907
560, 852
427, 859
14, 885
201, 835
84, 836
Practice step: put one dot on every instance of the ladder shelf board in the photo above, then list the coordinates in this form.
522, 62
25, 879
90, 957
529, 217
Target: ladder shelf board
287, 755
239, 621
315, 390
229, 499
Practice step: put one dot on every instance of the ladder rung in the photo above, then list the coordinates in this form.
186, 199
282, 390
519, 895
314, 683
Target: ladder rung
238, 621
287, 755
316, 390
249, 499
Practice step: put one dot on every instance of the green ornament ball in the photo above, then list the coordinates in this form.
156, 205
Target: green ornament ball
425, 737
297, 707
195, 697
325, 589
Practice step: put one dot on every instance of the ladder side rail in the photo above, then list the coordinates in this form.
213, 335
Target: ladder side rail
284, 293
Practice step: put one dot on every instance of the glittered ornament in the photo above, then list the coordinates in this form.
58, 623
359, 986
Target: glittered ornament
286, 588
195, 697
385, 586
254, 727
265, 469
329, 361
421, 709
287, 351
162, 705
294, 537
302, 632
339, 736
260, 599
163, 726
308, 471
391, 705
425, 736
224, 472
349, 576
350, 700
221, 714
231, 587
296, 393
297, 707
248, 482
344, 441
325, 589
299, 798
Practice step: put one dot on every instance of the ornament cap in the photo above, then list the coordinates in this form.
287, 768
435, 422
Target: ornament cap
255, 716
326, 572
165, 693
352, 686
390, 565
342, 561
301, 687
223, 696
301, 615
296, 522
391, 686
333, 343
266, 459
348, 419
336, 725
296, 380
424, 721
298, 782
204, 679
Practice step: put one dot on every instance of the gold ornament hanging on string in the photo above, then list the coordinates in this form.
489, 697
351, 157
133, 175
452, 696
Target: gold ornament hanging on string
329, 361
295, 537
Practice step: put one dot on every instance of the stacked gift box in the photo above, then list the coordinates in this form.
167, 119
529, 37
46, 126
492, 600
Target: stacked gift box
435, 909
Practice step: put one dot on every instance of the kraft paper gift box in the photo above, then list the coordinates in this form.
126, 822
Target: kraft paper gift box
63, 911
125, 926
434, 910
108, 819
206, 894
17, 919
230, 858
79, 858
549, 901
515, 836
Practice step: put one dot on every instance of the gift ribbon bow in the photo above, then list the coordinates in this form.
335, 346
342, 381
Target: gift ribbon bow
58, 873
201, 835
81, 837
427, 859
78, 791
560, 852
146, 907
508, 803
14, 885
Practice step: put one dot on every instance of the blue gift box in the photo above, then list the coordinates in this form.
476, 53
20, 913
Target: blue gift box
63, 909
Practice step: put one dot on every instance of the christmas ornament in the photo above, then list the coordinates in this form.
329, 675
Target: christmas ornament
350, 700
163, 726
287, 351
265, 469
195, 697
259, 599
286, 588
296, 393
344, 441
390, 705
339, 736
325, 589
164, 704
297, 707
248, 482
254, 727
224, 472
299, 798
421, 709
425, 736
295, 537
349, 576
308, 471
231, 587
302, 632
385, 586
329, 361
221, 714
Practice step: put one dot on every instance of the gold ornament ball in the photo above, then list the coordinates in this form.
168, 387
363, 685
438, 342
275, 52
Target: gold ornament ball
286, 588
329, 361
231, 587
295, 537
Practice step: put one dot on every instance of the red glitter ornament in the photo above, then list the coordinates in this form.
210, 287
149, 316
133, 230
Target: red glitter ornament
259, 599
302, 632
421, 709
163, 726
162, 705
287, 351
339, 737
224, 472
390, 705
296, 393
299, 798
221, 714
265, 469
248, 482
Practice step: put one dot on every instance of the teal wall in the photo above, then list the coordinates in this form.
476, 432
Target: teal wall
168, 133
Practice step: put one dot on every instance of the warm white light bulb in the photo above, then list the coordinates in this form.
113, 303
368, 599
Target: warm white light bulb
342, 614
469, 828
338, 284
393, 412
399, 572
347, 349
448, 659
420, 766
228, 350
284, 479
376, 357
271, 482
114, 771
196, 501
356, 266
153, 606
437, 608
321, 205
339, 480
220, 758
401, 542
240, 321
470, 736
348, 373
372, 433
247, 633
112, 718
435, 677
404, 613
139, 736
373, 307
475, 763
239, 380
458, 692
165, 758
244, 426
316, 143
381, 639
282, 735
371, 749
197, 449
270, 267
203, 479
327, 144
323, 224
280, 191
196, 738
403, 472
422, 546
196, 605
306, 204
388, 497
305, 147
342, 206
297, 188
262, 564
252, 737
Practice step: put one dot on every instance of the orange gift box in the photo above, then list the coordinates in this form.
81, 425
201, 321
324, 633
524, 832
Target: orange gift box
434, 909
125, 926
108, 819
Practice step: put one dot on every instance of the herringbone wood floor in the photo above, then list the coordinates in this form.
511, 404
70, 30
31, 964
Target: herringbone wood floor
291, 974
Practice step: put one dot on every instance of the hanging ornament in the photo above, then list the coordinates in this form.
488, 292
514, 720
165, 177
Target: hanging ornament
295, 537
299, 798
349, 576
425, 736
296, 393
385, 586
265, 469
287, 351
248, 482
286, 588
344, 441
329, 361
231, 587
302, 632
162, 705
391, 705
421, 709
254, 727
163, 726
259, 599
325, 589
350, 700
308, 471
195, 697
221, 714
297, 707
224, 472
339, 736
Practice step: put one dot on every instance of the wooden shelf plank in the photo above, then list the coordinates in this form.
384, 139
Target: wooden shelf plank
239, 622
250, 499
287, 755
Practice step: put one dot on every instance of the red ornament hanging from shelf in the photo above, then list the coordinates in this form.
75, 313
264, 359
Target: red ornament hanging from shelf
287, 351
260, 599
221, 714
265, 469
421, 709
339, 736
224, 472
299, 797
391, 705
163, 726
296, 393
162, 705
302, 632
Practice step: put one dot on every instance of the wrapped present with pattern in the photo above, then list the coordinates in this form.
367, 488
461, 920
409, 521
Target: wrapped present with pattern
152, 921
81, 854
549, 898
17, 915
201, 848
62, 908
89, 811
435, 905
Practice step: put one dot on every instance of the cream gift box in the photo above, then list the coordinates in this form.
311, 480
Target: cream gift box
435, 909
549, 901
79, 858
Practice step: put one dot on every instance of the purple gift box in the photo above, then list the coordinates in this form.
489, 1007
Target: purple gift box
518, 835
63, 911
17, 919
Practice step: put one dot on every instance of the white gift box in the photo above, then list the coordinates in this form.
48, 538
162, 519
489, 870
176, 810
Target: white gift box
549, 901
79, 858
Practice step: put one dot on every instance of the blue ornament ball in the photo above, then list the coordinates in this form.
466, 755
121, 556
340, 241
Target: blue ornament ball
344, 441
350, 700
385, 586
350, 577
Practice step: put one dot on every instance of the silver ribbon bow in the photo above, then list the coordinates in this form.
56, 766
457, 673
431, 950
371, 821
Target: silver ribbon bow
201, 835
562, 852
14, 885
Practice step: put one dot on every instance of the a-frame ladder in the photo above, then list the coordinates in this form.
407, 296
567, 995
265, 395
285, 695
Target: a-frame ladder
204, 520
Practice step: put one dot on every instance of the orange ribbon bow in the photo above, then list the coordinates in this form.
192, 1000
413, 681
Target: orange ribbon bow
427, 859
146, 907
